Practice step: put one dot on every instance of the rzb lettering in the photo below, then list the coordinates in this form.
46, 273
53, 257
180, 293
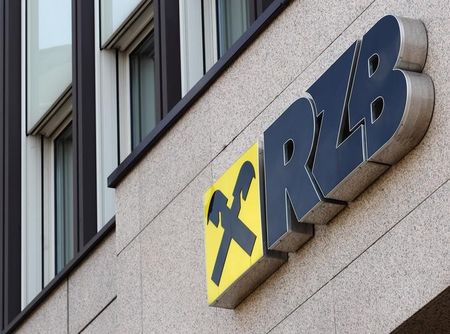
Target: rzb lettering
369, 109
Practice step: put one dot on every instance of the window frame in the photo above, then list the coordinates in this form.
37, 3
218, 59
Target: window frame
124, 92
48, 198
251, 16
49, 261
157, 114
67, 247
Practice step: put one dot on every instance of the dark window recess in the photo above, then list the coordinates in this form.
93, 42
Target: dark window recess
64, 227
83, 124
144, 114
167, 54
10, 160
233, 19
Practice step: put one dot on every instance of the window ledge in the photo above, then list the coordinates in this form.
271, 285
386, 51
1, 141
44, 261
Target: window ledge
131, 27
49, 121
196, 92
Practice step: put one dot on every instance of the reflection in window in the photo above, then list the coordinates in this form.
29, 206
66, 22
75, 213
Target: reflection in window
144, 115
113, 14
64, 226
234, 18
49, 55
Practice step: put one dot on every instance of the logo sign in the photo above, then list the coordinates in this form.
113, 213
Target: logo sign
368, 110
236, 252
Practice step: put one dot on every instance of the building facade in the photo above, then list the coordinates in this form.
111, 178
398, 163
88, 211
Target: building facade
118, 116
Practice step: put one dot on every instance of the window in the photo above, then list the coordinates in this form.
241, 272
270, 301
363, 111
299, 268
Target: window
49, 56
64, 228
234, 18
142, 81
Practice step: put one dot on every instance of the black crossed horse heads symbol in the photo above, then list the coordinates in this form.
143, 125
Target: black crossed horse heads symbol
234, 228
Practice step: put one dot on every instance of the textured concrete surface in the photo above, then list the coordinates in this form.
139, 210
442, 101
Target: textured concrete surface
384, 285
51, 316
92, 286
316, 315
105, 322
400, 273
173, 274
128, 201
129, 289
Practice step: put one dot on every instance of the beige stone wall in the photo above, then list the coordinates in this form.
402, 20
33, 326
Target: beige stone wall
380, 260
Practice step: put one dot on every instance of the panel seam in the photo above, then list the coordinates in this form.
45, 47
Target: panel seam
359, 255
98, 314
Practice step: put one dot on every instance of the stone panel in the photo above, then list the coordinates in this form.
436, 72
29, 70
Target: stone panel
129, 289
400, 273
173, 267
128, 199
316, 316
51, 315
93, 285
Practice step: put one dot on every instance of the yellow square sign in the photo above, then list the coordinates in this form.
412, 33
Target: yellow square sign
237, 260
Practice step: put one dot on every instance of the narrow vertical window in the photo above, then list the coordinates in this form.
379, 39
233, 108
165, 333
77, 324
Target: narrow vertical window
49, 55
234, 18
64, 227
191, 43
144, 115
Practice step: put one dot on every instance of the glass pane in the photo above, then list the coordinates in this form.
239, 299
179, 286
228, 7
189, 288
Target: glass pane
49, 54
113, 14
234, 18
64, 199
142, 77
191, 43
